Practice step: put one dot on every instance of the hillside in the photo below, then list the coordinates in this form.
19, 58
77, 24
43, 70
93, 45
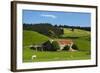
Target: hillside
32, 37
43, 28
80, 37
75, 33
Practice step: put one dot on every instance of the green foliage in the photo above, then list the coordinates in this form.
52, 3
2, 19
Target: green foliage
52, 34
33, 48
55, 45
75, 47
72, 29
66, 47
43, 28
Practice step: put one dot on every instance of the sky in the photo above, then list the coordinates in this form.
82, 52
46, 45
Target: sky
58, 18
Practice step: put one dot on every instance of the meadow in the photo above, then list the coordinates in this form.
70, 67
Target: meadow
80, 37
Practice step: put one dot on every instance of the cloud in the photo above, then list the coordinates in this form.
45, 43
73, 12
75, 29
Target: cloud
48, 15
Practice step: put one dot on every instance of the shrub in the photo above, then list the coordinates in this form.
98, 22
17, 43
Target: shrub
33, 48
55, 45
75, 47
52, 34
66, 48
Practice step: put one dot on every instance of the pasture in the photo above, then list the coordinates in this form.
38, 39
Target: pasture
54, 56
80, 37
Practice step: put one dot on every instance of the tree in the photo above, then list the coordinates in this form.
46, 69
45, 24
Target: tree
55, 25
66, 48
75, 47
73, 29
52, 34
55, 45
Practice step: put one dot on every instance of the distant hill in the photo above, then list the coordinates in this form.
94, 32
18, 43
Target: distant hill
76, 33
43, 28
81, 38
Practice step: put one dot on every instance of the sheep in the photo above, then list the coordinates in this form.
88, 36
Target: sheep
33, 57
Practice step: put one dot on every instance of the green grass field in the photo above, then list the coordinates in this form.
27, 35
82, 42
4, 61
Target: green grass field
32, 37
54, 56
80, 37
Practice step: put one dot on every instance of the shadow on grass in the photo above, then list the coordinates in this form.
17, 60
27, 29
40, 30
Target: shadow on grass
69, 37
76, 37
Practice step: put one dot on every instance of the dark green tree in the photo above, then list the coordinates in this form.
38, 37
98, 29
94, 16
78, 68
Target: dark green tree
55, 45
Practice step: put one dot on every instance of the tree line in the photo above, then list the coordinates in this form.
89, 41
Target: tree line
74, 27
44, 28
51, 30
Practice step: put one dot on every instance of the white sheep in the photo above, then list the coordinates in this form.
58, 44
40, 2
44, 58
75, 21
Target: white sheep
33, 57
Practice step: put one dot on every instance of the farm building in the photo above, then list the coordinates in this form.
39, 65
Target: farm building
50, 46
62, 43
65, 42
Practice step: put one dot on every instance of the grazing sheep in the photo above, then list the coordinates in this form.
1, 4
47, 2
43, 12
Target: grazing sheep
33, 57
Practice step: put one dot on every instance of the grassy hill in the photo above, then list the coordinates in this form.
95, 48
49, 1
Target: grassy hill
75, 33
80, 37
32, 37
